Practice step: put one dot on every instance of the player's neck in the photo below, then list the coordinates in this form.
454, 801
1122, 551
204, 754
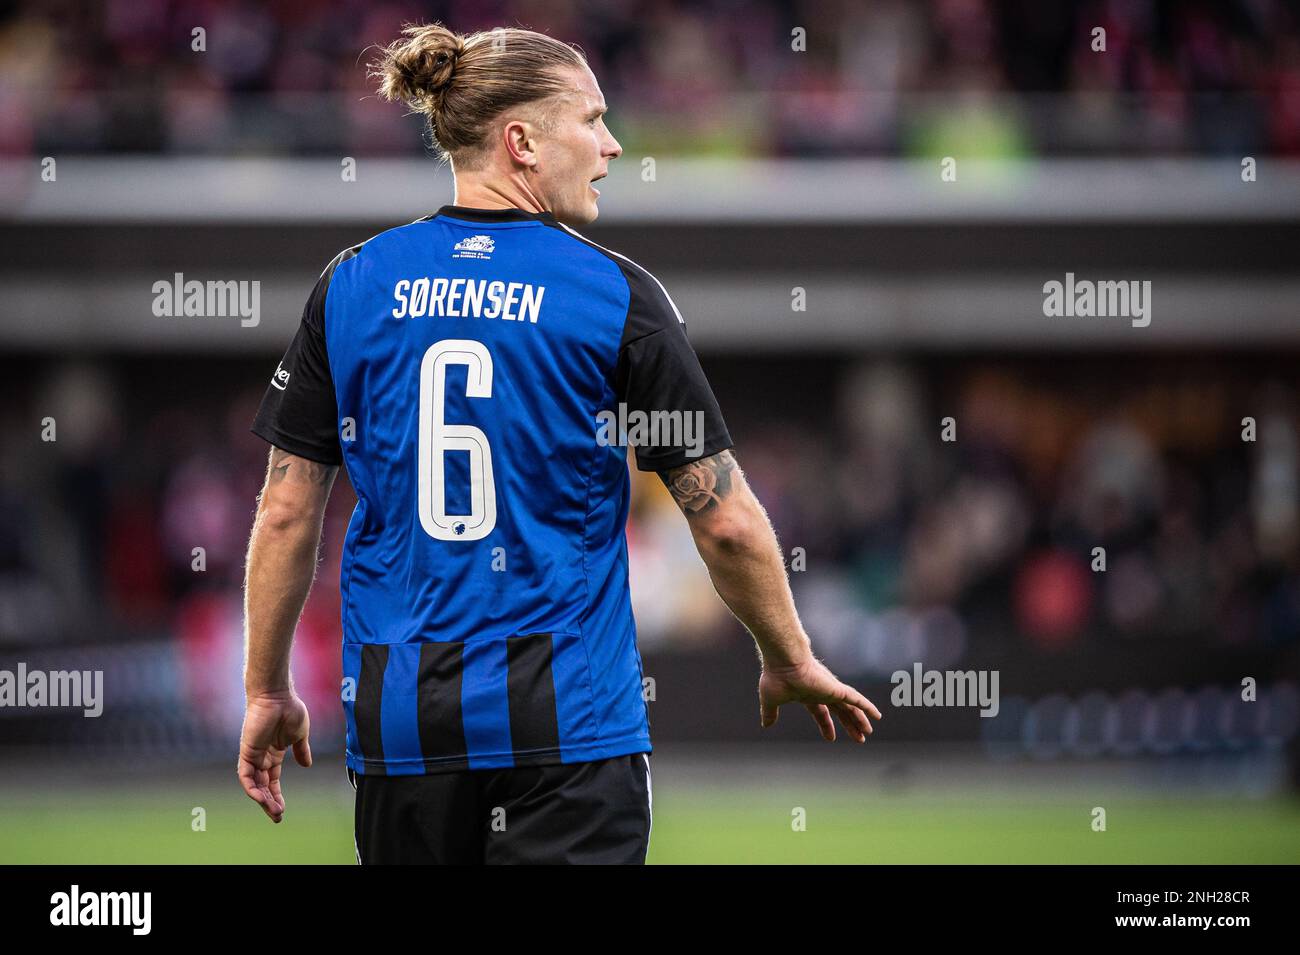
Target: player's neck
472, 194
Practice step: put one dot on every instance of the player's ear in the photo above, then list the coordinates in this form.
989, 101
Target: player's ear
521, 141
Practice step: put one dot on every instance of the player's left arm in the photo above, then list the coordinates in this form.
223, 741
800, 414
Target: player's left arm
279, 571
658, 370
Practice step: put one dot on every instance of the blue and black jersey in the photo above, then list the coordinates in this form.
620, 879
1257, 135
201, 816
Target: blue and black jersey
465, 369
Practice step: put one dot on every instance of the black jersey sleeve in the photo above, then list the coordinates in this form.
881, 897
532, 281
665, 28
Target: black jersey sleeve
299, 412
658, 371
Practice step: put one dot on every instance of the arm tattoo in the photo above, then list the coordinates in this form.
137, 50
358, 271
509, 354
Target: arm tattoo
701, 485
311, 471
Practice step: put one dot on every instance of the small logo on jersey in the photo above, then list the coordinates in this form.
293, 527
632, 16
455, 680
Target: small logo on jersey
280, 378
458, 528
475, 247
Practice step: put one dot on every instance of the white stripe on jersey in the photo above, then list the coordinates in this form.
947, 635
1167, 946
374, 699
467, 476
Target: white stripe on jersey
630, 262
649, 801
355, 846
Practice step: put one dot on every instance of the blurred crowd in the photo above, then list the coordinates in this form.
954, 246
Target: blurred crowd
726, 77
909, 536
993, 507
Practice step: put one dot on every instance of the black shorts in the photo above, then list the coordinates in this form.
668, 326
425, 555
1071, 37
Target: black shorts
596, 812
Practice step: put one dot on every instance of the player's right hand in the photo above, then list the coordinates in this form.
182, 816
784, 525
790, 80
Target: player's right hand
273, 723
811, 683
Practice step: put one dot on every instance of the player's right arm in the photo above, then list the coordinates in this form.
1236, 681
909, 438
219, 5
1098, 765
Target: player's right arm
298, 418
736, 541
280, 569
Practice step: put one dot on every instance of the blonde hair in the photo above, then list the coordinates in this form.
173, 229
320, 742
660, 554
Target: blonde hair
461, 83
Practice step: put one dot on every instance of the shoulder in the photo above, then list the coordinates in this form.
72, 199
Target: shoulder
314, 313
650, 307
378, 245
346, 267
381, 245
346, 255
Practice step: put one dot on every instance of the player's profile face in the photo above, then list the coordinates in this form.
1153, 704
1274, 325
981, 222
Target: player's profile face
576, 151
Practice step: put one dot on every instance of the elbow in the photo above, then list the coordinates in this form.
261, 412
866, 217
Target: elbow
279, 518
726, 536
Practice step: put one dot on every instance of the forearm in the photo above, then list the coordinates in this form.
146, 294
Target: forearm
750, 577
281, 565
279, 572
736, 541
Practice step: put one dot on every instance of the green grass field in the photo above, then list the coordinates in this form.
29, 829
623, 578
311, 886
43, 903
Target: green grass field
691, 825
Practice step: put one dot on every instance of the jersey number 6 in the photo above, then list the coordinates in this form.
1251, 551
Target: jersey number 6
436, 437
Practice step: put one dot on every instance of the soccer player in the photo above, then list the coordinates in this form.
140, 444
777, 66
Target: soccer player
463, 369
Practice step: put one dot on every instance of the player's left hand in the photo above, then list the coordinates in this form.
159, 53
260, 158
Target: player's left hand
811, 683
272, 724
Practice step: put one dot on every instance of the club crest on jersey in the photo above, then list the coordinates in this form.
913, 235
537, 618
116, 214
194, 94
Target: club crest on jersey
474, 247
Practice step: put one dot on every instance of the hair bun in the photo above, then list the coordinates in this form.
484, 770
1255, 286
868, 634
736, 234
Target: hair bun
418, 70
